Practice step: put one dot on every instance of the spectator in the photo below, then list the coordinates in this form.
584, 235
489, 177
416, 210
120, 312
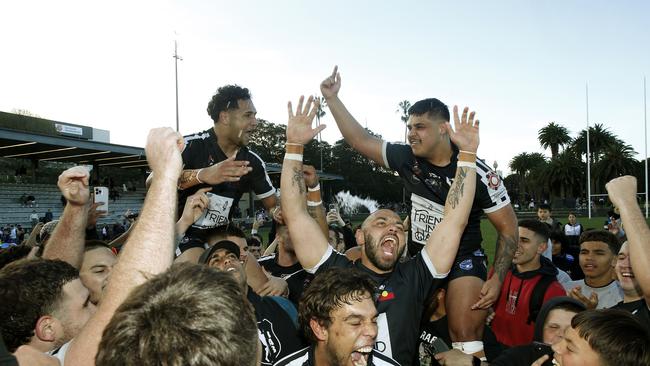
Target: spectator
13, 234
276, 317
31, 200
530, 282
633, 300
599, 289
33, 218
338, 317
572, 230
214, 328
48, 216
98, 262
544, 213
561, 257
23, 200
604, 338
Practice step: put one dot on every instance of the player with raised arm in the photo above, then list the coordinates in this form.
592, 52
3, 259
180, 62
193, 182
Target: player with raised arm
427, 168
402, 287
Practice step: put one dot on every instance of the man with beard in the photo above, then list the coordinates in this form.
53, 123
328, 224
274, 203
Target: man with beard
338, 316
427, 167
403, 287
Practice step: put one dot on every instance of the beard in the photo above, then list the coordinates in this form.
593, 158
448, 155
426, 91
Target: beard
372, 249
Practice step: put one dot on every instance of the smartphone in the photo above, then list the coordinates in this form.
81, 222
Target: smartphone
333, 207
540, 349
101, 195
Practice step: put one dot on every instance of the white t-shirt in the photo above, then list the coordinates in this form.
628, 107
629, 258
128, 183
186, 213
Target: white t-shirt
608, 296
60, 353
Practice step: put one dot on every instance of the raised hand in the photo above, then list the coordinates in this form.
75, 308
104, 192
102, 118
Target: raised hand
330, 87
229, 170
465, 133
622, 190
163, 150
195, 206
299, 130
73, 184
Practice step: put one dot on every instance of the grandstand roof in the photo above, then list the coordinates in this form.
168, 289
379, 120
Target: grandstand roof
28, 145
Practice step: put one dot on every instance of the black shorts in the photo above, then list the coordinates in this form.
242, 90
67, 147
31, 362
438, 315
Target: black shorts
474, 265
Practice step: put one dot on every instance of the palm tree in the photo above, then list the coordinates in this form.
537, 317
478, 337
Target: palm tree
528, 167
564, 174
617, 160
404, 107
599, 138
553, 136
320, 113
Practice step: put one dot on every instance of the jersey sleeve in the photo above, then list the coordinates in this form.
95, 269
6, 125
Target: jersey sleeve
330, 259
262, 185
490, 190
396, 156
421, 273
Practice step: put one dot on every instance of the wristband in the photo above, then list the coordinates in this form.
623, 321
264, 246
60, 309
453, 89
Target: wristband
466, 152
313, 196
296, 157
197, 176
466, 164
294, 148
314, 204
317, 188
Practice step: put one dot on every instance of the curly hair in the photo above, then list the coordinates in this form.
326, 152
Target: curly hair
226, 99
29, 289
329, 291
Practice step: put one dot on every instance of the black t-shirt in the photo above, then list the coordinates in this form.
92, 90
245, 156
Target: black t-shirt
638, 308
277, 331
201, 151
297, 278
428, 186
401, 299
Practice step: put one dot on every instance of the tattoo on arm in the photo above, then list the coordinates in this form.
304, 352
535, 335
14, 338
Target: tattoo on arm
299, 179
505, 250
187, 177
456, 191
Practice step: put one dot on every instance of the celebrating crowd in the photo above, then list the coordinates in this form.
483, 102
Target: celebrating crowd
186, 286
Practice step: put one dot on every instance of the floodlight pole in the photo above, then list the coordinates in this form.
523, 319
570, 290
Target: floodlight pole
176, 59
645, 135
588, 154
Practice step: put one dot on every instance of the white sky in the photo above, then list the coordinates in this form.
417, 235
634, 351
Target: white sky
519, 64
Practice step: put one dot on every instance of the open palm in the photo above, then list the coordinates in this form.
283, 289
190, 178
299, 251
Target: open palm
465, 133
299, 130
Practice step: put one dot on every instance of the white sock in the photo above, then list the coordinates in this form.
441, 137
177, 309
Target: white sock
468, 347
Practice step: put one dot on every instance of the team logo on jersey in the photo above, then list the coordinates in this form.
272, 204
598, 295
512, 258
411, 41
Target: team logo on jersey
271, 346
466, 265
494, 181
386, 295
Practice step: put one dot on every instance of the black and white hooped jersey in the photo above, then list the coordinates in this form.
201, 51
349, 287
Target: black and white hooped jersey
428, 186
305, 357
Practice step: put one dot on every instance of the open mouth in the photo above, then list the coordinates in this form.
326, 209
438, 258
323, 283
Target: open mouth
627, 274
389, 245
361, 355
589, 267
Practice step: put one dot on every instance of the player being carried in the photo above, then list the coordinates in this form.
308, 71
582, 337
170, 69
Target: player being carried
403, 287
427, 168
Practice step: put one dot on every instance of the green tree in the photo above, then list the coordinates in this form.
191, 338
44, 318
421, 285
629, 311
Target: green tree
403, 107
553, 136
564, 175
528, 167
617, 160
599, 138
268, 141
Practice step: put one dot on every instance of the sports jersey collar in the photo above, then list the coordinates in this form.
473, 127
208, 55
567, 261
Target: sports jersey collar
214, 141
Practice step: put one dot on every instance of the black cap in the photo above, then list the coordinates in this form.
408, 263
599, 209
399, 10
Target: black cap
228, 245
